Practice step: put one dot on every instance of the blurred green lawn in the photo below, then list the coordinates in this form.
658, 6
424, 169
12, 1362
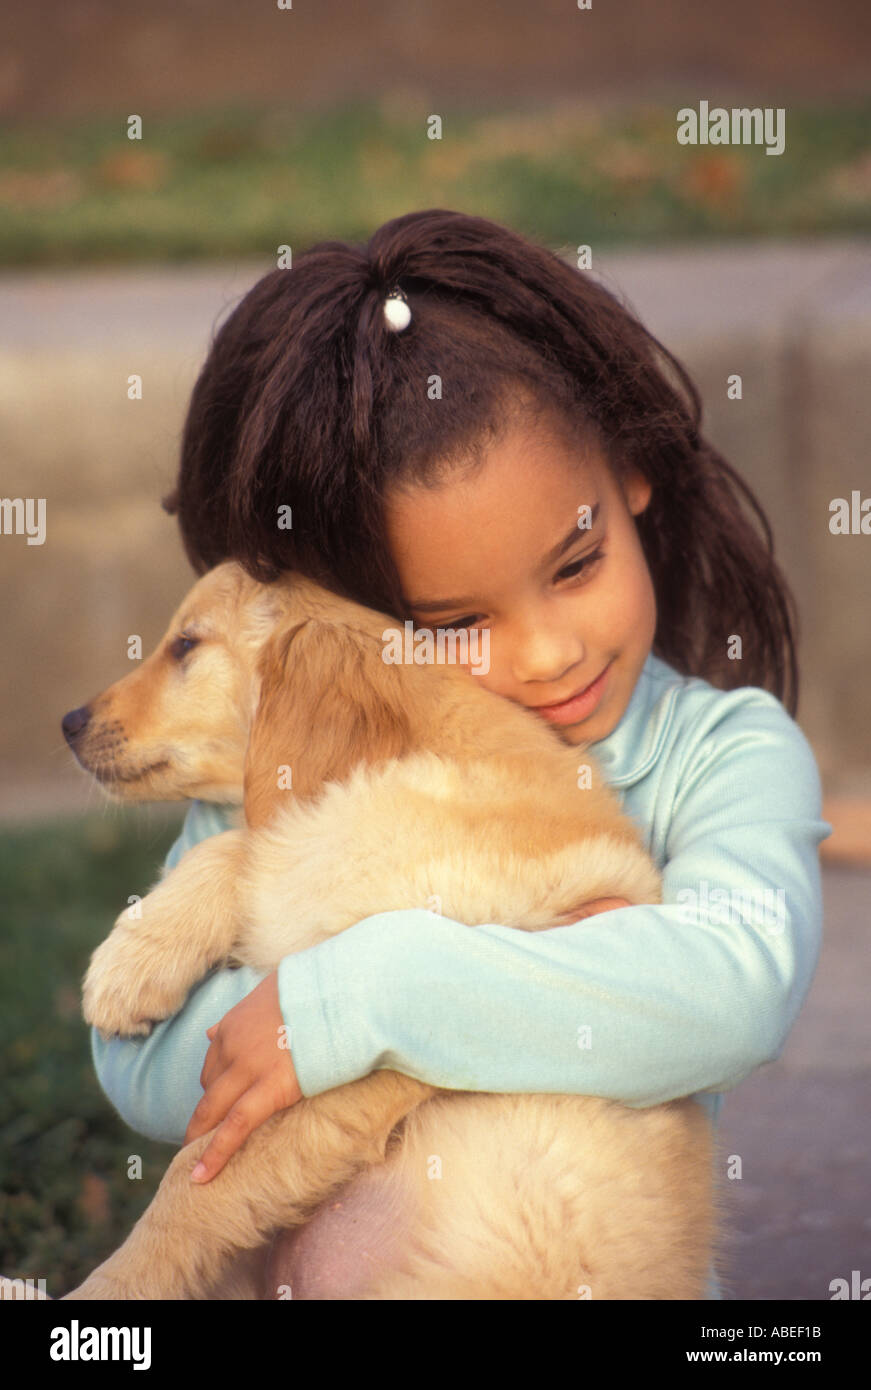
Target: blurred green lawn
238, 181
65, 1198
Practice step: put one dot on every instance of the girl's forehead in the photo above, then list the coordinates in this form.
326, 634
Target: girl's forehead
530, 479
512, 512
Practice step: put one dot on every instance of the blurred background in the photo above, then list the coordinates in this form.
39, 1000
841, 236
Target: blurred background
261, 127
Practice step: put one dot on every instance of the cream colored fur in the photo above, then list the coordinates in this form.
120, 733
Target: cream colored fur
412, 787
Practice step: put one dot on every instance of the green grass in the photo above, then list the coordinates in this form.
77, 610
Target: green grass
65, 1198
240, 181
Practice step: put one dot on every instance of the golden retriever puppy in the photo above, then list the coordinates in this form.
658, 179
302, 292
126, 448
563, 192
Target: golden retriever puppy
411, 784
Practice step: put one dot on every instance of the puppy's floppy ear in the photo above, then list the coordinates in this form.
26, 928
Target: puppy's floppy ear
327, 702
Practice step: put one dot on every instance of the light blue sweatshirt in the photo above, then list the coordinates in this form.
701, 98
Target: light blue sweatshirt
684, 998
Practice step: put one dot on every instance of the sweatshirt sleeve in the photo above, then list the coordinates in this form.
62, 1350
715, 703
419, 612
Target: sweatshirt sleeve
154, 1082
641, 1004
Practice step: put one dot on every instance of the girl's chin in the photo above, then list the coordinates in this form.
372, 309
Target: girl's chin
592, 730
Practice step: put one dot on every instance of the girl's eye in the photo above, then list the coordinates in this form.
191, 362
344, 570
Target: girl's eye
584, 565
460, 623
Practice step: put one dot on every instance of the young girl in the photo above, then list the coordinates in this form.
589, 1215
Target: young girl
470, 433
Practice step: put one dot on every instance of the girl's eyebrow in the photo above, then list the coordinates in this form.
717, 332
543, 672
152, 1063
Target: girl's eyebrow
436, 605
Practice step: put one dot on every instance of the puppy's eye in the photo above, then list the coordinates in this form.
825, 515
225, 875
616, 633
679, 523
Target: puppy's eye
181, 646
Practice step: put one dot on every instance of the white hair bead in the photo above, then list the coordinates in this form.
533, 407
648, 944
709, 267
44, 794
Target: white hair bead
397, 314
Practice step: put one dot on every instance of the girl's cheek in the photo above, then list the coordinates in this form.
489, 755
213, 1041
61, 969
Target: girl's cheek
628, 589
485, 672
644, 604
487, 679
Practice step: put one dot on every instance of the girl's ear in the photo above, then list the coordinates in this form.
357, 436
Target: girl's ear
327, 702
637, 490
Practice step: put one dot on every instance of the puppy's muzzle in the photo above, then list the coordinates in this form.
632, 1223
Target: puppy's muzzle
74, 723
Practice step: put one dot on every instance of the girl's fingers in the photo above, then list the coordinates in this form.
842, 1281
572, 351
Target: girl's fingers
220, 1095
254, 1107
603, 905
590, 909
211, 1065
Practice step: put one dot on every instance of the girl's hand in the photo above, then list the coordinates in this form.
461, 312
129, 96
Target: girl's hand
590, 909
247, 1076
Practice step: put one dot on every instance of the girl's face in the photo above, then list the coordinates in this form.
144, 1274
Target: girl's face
567, 608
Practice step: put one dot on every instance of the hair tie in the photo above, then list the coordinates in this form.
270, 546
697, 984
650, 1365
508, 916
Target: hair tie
397, 314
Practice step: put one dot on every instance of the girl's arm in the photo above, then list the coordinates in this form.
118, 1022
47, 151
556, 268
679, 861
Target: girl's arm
642, 1004
154, 1082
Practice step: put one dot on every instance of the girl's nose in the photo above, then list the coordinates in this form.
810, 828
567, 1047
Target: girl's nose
547, 656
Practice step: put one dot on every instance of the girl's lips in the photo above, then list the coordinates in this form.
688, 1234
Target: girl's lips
579, 706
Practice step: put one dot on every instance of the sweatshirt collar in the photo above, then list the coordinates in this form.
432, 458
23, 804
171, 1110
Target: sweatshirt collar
629, 752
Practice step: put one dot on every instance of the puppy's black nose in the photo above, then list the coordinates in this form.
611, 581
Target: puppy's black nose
73, 723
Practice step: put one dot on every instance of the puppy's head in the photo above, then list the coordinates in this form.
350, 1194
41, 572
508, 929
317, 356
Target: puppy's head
249, 681
177, 727
326, 703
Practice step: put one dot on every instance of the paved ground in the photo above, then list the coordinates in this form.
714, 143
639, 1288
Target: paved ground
802, 1126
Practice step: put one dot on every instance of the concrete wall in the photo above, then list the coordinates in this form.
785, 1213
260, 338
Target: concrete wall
794, 321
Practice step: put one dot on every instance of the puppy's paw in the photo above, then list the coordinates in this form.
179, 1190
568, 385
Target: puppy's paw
105, 1010
128, 988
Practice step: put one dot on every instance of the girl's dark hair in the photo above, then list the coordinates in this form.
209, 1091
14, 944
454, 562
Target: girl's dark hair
307, 400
